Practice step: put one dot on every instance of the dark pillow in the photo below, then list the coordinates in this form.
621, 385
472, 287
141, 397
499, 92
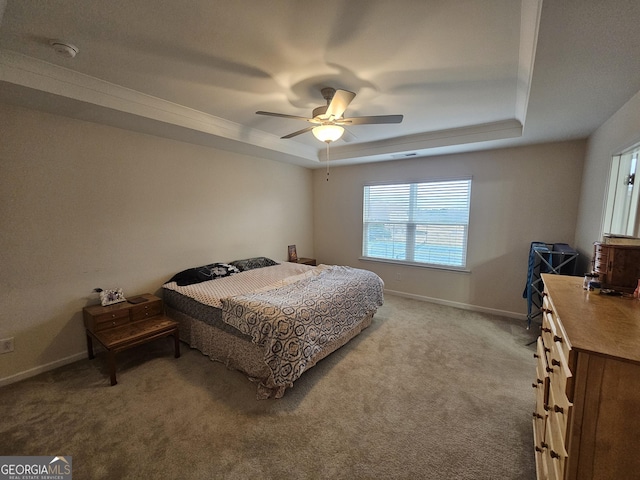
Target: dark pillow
195, 275
185, 277
251, 263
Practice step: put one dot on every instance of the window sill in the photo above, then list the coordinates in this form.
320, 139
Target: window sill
430, 266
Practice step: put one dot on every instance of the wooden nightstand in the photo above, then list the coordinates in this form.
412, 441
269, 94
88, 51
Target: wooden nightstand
125, 325
307, 261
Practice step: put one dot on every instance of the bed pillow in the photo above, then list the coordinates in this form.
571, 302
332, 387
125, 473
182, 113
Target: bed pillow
251, 263
191, 276
185, 277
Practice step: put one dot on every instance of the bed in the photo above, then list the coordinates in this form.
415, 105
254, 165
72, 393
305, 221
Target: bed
272, 321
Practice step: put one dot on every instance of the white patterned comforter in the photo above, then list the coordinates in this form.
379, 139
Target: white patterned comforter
297, 318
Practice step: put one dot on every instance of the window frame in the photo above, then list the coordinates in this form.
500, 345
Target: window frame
410, 234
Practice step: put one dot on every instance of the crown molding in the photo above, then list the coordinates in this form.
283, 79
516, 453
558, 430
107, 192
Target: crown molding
36, 74
530, 13
418, 144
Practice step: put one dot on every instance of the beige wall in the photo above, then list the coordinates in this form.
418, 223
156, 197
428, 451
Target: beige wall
86, 205
518, 196
617, 134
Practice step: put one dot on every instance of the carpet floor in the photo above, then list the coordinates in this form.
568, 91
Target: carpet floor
427, 392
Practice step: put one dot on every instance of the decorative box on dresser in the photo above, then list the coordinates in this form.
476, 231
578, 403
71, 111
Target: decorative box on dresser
618, 266
586, 422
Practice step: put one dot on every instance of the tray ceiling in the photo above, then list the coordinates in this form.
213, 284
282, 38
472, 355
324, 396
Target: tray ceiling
466, 75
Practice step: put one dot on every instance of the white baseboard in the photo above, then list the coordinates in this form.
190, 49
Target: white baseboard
464, 306
42, 368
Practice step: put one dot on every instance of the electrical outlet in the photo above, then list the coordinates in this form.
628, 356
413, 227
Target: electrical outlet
398, 278
6, 345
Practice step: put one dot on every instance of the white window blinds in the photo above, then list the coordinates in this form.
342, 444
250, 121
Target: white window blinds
425, 223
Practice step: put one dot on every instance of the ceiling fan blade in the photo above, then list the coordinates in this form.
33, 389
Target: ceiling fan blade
283, 115
339, 103
299, 132
376, 119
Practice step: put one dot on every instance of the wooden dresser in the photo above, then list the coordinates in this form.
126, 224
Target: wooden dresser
586, 421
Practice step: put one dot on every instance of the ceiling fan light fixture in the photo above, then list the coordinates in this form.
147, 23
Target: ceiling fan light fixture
328, 133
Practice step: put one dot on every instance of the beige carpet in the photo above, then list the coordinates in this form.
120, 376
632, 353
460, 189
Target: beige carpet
427, 392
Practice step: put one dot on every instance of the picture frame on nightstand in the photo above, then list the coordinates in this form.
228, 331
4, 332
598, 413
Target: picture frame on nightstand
111, 296
293, 255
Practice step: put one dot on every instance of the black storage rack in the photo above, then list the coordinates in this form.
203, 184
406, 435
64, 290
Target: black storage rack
553, 258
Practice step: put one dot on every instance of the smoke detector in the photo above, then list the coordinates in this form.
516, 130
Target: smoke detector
63, 48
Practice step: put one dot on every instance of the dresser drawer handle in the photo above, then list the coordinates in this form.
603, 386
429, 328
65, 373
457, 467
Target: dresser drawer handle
554, 454
538, 449
556, 338
113, 315
549, 369
113, 323
558, 409
537, 415
555, 362
546, 329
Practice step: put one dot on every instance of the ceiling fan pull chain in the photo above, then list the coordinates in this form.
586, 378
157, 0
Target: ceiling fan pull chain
328, 161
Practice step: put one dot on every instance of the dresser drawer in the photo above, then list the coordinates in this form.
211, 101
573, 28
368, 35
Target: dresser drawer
541, 385
548, 329
600, 260
600, 266
542, 373
542, 472
560, 373
111, 319
555, 452
552, 331
546, 302
560, 410
98, 318
145, 310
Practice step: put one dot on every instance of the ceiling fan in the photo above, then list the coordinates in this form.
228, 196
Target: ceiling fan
328, 120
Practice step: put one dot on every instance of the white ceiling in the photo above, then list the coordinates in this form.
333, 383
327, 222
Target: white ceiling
466, 75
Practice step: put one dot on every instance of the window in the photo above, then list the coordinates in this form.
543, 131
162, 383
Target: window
421, 223
623, 198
